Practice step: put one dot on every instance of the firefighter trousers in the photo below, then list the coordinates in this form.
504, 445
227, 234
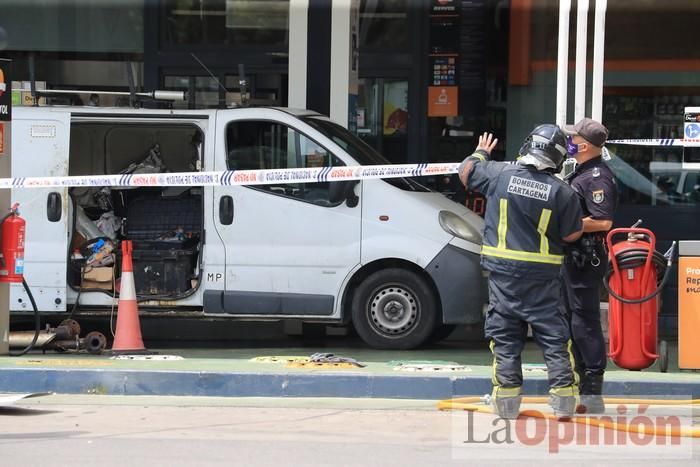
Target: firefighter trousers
515, 302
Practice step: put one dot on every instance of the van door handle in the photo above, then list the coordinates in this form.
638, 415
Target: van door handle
226, 210
54, 207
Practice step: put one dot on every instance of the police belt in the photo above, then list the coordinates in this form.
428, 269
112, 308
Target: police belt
589, 249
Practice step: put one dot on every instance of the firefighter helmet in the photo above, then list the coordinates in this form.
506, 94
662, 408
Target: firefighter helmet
544, 148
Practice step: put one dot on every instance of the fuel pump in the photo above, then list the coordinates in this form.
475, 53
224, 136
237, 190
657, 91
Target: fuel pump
12, 236
636, 275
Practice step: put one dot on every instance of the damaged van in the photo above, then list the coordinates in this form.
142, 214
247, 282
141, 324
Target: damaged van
398, 261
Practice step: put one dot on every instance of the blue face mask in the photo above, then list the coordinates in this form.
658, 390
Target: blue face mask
571, 148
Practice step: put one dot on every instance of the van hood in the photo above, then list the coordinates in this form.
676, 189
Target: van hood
444, 203
418, 212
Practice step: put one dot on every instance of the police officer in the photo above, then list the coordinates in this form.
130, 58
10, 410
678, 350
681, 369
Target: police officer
586, 261
530, 214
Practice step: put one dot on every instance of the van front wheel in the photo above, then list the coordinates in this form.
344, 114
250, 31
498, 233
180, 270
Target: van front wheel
394, 309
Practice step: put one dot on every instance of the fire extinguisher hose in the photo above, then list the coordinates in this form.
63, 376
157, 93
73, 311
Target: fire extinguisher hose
634, 258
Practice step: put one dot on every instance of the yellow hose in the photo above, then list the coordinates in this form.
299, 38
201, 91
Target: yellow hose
475, 404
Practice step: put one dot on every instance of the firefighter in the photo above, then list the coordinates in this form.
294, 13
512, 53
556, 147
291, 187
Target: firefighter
586, 260
530, 214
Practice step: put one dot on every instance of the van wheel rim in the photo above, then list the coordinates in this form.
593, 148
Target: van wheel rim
394, 310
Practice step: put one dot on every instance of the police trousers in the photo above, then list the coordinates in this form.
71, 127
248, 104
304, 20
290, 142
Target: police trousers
515, 302
581, 289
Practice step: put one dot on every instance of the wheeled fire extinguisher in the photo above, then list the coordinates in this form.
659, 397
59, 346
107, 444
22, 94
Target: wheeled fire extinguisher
12, 232
636, 275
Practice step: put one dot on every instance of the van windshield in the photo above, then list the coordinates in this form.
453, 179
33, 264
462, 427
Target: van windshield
359, 150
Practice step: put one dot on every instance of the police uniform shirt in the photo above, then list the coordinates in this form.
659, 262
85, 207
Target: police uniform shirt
595, 183
528, 213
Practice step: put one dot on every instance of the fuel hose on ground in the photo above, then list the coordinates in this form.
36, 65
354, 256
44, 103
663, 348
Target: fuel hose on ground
482, 404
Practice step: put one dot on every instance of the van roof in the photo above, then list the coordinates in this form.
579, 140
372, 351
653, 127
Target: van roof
136, 111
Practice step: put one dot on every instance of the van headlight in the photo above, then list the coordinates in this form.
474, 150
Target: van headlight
457, 226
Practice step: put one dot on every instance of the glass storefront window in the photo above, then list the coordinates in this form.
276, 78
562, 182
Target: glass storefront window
206, 92
262, 89
202, 91
649, 175
382, 116
72, 26
384, 24
177, 83
226, 22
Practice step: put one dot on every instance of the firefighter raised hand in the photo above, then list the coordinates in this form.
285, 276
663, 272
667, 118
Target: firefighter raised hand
483, 150
530, 214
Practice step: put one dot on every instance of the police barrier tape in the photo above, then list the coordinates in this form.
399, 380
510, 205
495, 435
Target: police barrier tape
687, 142
273, 176
236, 177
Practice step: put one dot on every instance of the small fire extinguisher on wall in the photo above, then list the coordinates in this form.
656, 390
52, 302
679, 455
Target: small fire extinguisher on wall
12, 234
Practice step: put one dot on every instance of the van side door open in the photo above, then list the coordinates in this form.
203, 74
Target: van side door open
289, 247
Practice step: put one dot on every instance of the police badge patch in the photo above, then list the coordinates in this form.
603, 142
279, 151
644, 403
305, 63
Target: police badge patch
598, 196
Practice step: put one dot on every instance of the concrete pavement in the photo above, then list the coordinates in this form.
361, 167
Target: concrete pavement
204, 431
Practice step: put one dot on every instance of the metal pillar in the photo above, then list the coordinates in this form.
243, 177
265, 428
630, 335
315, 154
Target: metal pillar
581, 42
298, 33
344, 49
601, 7
5, 172
563, 61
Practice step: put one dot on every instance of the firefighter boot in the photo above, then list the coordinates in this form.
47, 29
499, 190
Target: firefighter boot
563, 406
507, 407
591, 394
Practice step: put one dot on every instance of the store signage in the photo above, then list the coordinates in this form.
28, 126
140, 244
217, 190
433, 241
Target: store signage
692, 131
691, 123
688, 312
444, 7
5, 91
442, 101
443, 85
444, 71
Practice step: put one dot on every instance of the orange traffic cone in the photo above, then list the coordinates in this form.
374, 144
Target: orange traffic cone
128, 339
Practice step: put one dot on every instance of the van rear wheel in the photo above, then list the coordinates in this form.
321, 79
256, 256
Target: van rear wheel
394, 309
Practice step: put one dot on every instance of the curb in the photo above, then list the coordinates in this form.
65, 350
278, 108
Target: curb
285, 384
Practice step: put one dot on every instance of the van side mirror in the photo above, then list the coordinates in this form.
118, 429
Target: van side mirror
343, 191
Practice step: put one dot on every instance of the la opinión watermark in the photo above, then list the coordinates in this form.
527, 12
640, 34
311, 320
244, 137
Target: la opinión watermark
626, 429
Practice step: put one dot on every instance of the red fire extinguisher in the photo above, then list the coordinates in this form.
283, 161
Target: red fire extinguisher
636, 275
12, 232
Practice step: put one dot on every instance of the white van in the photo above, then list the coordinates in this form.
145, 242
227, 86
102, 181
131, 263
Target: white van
398, 261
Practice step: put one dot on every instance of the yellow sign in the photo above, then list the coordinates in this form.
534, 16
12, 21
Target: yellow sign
688, 312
